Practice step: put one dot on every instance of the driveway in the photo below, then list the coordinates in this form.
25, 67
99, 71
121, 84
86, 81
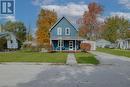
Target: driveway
113, 71
111, 59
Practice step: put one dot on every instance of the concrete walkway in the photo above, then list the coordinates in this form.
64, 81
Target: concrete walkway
71, 60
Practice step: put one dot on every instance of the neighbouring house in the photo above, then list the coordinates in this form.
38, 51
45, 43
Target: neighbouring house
64, 36
12, 42
123, 44
102, 43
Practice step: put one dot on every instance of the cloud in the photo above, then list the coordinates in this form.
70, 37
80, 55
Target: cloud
70, 9
101, 19
55, 2
8, 18
126, 3
121, 14
42, 2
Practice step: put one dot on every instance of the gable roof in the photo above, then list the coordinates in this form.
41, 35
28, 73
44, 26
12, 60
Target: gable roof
60, 21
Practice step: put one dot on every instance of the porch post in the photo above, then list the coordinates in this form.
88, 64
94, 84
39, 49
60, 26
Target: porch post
60, 44
75, 45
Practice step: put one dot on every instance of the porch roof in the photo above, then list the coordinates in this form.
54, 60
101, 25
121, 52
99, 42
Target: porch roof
120, 40
67, 38
128, 39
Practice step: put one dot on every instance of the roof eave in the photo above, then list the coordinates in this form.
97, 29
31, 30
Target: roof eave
59, 21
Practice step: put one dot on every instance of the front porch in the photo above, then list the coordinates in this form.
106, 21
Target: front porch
65, 45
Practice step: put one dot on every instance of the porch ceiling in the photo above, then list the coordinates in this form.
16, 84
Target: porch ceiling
67, 38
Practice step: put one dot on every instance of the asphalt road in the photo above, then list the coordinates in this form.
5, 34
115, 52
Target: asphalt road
113, 71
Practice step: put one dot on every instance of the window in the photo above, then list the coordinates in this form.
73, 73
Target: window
59, 31
67, 31
62, 43
11, 41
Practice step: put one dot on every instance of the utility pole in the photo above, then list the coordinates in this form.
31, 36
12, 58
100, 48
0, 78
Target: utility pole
28, 32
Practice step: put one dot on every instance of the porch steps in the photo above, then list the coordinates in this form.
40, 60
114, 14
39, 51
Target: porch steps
71, 60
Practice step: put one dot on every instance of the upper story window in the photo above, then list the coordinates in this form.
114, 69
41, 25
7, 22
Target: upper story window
67, 31
59, 31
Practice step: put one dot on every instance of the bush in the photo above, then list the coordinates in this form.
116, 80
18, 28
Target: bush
3, 44
49, 49
85, 47
30, 48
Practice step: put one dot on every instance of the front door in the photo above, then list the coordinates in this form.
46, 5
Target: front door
70, 45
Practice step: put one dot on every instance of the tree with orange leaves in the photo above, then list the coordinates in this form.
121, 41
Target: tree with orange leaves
45, 20
89, 20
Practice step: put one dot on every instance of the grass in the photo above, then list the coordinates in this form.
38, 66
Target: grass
86, 58
33, 57
117, 52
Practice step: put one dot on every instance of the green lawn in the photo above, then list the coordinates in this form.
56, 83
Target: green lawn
86, 58
115, 51
33, 57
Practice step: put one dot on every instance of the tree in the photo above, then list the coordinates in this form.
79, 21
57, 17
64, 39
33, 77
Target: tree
9, 26
89, 19
115, 28
18, 28
83, 30
45, 20
20, 31
128, 33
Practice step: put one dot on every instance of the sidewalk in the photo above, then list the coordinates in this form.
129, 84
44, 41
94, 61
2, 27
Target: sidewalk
71, 60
